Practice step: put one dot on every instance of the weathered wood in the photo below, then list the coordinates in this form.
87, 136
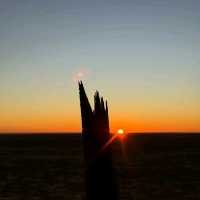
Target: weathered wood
100, 178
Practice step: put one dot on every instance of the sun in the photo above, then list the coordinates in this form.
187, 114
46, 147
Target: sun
120, 131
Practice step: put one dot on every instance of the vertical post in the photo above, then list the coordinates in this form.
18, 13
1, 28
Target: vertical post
100, 179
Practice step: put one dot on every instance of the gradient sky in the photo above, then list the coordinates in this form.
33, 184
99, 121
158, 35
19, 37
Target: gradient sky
142, 55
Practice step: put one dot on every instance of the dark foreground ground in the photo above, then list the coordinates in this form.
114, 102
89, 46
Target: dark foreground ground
41, 167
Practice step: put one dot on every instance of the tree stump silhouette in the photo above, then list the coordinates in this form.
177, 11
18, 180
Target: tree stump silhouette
100, 178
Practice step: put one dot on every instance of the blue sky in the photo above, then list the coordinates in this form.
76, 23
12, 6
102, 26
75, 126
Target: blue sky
137, 52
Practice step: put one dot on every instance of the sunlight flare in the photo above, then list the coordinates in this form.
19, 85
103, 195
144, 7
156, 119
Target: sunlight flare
120, 131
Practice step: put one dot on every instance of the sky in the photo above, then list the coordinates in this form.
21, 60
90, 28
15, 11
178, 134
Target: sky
142, 55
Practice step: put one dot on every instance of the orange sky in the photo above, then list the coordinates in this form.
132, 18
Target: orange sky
62, 114
142, 56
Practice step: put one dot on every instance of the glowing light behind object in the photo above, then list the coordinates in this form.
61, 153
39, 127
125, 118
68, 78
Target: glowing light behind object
80, 74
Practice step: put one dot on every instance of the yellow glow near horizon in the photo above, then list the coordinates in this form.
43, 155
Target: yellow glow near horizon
120, 131
148, 75
57, 109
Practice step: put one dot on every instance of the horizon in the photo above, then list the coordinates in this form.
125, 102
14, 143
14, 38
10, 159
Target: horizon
142, 56
79, 133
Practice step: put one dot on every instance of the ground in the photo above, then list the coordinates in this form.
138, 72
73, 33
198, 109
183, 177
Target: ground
147, 167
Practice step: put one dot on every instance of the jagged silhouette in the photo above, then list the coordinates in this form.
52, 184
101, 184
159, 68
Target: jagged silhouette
100, 178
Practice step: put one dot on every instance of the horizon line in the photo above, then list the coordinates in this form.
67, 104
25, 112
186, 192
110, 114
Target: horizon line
77, 132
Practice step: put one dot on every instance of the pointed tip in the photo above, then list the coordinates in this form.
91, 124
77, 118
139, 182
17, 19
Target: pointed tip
80, 83
102, 101
102, 105
96, 96
96, 93
106, 106
81, 87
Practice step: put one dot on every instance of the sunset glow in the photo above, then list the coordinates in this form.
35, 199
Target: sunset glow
143, 57
120, 131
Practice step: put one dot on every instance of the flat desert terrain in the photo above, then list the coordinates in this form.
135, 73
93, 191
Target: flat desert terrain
148, 166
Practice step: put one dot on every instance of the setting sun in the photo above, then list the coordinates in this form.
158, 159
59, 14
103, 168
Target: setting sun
120, 131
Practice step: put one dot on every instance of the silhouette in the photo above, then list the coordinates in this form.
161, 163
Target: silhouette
100, 179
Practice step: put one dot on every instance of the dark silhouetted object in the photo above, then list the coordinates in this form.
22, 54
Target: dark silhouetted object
100, 179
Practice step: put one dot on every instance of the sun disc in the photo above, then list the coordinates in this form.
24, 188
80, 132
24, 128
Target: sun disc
120, 131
